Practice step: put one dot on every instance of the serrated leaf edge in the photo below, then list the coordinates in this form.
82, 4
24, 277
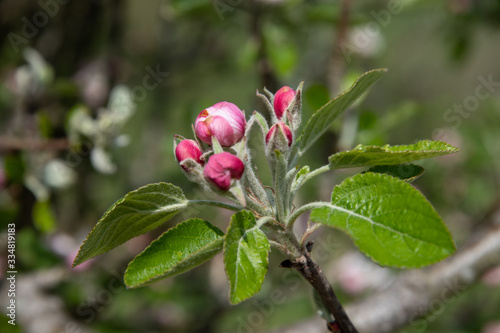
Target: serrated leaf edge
220, 239
407, 179
224, 254
364, 217
300, 139
384, 148
113, 207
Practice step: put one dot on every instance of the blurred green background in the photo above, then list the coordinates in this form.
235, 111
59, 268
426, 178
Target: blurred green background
66, 156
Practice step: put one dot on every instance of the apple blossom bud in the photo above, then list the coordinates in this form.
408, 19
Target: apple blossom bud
224, 120
282, 100
188, 149
222, 168
283, 131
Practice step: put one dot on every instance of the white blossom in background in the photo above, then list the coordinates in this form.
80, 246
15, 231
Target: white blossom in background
103, 132
35, 185
31, 78
365, 41
58, 174
101, 161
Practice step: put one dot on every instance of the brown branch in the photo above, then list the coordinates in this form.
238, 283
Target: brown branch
315, 276
414, 293
12, 144
337, 64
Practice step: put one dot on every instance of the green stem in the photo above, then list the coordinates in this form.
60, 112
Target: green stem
280, 186
255, 184
216, 204
315, 173
264, 220
296, 156
301, 210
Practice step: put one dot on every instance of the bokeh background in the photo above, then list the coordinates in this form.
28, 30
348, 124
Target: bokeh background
92, 93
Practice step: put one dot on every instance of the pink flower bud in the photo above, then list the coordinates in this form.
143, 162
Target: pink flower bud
188, 149
222, 168
285, 132
224, 120
282, 100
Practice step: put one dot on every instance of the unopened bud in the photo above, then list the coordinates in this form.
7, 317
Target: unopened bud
279, 136
222, 168
188, 149
282, 100
223, 120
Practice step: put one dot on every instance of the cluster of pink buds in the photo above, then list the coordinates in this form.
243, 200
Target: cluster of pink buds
280, 136
216, 158
224, 123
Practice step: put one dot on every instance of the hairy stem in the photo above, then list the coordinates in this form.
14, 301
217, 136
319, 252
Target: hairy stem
301, 210
255, 184
315, 173
214, 203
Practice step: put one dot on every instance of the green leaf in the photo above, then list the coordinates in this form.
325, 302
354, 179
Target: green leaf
282, 51
15, 167
43, 216
178, 250
280, 184
216, 145
245, 256
316, 95
297, 182
388, 219
407, 172
138, 212
259, 119
321, 121
386, 155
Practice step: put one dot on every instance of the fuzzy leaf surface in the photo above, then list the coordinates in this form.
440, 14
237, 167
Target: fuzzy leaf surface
178, 250
407, 172
387, 155
136, 213
246, 252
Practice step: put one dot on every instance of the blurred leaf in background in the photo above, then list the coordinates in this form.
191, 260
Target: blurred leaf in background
52, 190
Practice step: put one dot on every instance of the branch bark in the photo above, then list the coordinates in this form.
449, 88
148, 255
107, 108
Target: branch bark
315, 276
414, 293
10, 143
